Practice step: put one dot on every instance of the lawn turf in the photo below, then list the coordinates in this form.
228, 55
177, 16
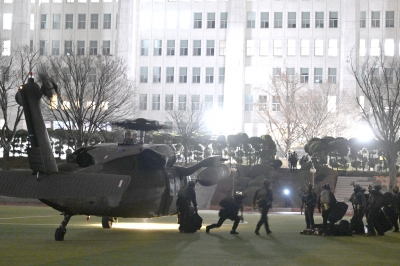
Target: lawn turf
27, 238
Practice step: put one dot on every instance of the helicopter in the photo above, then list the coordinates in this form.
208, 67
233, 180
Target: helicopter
124, 180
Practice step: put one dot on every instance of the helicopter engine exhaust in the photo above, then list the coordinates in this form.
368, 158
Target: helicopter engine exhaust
212, 175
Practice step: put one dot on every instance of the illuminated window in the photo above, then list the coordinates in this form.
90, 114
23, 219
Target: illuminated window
65, 105
195, 102
170, 47
156, 74
93, 48
248, 102
317, 75
305, 47
304, 75
43, 48
319, 47
55, 47
144, 73
81, 21
251, 20
106, 47
332, 75
196, 75
362, 47
69, 21
32, 22
208, 102
170, 75
43, 22
197, 20
56, 21
389, 19
363, 19
332, 104
156, 102
333, 19
374, 49
209, 75
81, 47
67, 47
53, 101
319, 19
183, 50
183, 75
182, 102
277, 19
291, 47
94, 21
264, 20
375, 19
210, 20
157, 49
224, 20
6, 48
250, 47
143, 102
277, 47
389, 47
169, 102
107, 21
305, 19
332, 47
263, 47
144, 47
291, 19
221, 75
210, 47
196, 47
222, 47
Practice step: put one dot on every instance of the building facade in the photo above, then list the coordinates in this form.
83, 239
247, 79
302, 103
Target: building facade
216, 52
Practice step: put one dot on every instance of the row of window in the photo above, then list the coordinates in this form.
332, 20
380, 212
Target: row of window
182, 103
81, 48
376, 19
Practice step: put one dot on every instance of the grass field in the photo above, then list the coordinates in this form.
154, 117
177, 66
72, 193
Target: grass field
26, 238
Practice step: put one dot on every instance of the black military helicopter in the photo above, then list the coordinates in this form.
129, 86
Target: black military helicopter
131, 179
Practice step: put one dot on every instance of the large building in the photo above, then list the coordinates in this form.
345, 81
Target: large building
211, 51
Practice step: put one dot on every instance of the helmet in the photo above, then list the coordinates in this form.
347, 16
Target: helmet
309, 185
378, 187
266, 183
395, 189
357, 188
191, 184
239, 196
326, 186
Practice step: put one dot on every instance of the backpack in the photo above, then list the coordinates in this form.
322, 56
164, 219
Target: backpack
342, 229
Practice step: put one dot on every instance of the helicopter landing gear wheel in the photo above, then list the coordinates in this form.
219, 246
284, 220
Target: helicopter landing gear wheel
60, 232
107, 222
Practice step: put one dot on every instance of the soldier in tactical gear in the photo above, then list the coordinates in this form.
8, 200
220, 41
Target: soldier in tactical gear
309, 200
359, 204
374, 204
396, 205
263, 198
326, 200
230, 209
186, 197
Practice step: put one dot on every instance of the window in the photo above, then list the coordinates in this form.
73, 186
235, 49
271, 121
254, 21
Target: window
183, 75
209, 75
305, 19
170, 47
362, 49
183, 50
195, 102
69, 21
276, 73
250, 47
305, 48
144, 71
375, 19
94, 21
56, 21
156, 74
291, 47
222, 47
389, 19
332, 47
43, 48
389, 47
93, 48
319, 19
155, 102
32, 22
55, 47
317, 75
264, 20
277, 47
196, 75
332, 75
224, 20
363, 19
182, 102
333, 19
170, 75
107, 21
290, 73
221, 75
319, 47
277, 19
43, 22
263, 47
208, 102
374, 50
106, 47
67, 47
143, 102
262, 102
81, 21
157, 50
248, 104
276, 106
169, 102
81, 48
7, 21
251, 20
389, 75
196, 47
6, 48
303, 75
210, 47
197, 20
144, 47
220, 102
291, 19
92, 75
211, 20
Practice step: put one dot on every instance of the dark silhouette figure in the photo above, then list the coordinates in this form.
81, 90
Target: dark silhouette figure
396, 205
263, 198
309, 200
374, 205
186, 197
359, 204
326, 200
230, 209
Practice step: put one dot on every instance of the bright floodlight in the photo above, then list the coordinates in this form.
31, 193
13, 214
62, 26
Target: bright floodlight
286, 191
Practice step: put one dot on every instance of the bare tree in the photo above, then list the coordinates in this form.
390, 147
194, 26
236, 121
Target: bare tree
378, 79
14, 71
187, 121
282, 117
91, 91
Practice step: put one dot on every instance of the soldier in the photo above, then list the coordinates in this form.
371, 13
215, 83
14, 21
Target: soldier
374, 204
230, 209
396, 204
359, 203
326, 200
186, 197
263, 198
309, 200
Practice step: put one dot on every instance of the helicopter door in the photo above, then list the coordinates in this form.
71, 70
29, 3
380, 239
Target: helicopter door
173, 186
